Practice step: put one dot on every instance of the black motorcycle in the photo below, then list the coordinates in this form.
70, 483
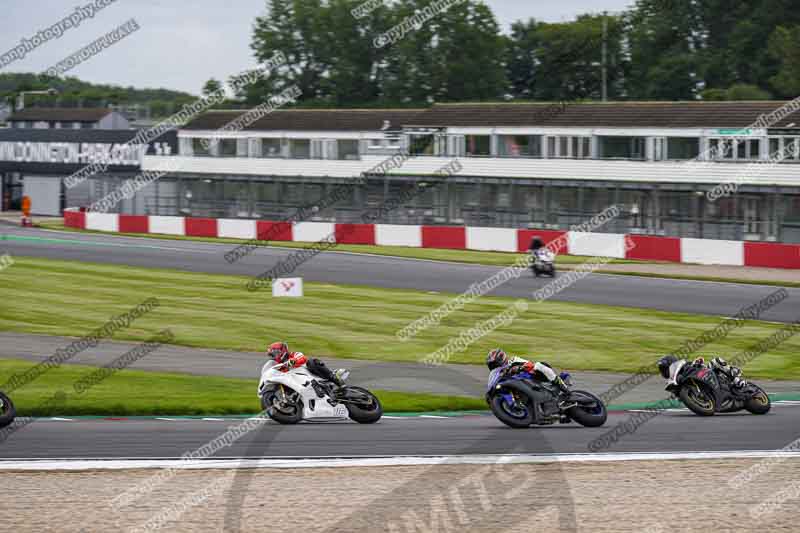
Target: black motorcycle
521, 399
7, 411
705, 391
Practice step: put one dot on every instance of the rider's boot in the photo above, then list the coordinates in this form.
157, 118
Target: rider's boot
340, 376
563, 389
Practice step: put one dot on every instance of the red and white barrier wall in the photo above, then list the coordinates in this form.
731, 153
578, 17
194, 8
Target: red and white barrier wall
672, 249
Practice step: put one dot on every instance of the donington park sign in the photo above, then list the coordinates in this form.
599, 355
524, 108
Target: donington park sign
120, 154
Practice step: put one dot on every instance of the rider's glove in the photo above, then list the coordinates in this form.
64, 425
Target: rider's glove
290, 364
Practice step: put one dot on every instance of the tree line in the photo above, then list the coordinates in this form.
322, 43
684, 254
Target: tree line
657, 50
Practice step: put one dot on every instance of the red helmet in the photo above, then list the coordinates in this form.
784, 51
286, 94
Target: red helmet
279, 351
496, 358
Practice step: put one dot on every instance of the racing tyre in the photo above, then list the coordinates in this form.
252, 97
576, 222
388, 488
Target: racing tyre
292, 413
759, 403
516, 416
590, 412
366, 407
7, 411
697, 399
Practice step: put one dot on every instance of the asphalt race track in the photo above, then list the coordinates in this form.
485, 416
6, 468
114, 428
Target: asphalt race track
708, 298
478, 434
673, 431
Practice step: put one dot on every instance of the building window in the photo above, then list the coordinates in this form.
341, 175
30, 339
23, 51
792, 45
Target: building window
520, 145
478, 145
227, 148
683, 148
300, 148
784, 149
87, 126
271, 148
421, 145
551, 147
200, 147
347, 149
622, 147
774, 147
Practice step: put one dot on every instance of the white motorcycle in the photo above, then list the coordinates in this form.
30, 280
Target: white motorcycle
543, 262
289, 396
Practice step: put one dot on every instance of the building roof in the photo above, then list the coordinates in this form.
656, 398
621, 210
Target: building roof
312, 119
610, 114
61, 114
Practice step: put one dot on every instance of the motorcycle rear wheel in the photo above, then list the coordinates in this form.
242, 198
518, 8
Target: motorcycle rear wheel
701, 406
759, 403
366, 413
590, 418
7, 411
517, 420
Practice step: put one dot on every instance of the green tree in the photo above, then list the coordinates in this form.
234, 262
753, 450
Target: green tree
455, 56
294, 28
784, 47
522, 58
663, 40
211, 86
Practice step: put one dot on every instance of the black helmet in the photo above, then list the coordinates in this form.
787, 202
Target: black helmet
537, 243
664, 363
496, 359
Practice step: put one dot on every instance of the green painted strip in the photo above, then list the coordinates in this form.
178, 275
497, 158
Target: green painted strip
76, 241
676, 404
449, 414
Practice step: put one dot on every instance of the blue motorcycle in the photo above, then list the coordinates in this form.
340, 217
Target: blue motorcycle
521, 400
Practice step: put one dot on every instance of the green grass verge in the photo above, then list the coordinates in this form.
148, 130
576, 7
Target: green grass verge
137, 393
566, 262
70, 298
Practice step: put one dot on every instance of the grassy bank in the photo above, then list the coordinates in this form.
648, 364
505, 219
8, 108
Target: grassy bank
132, 392
216, 311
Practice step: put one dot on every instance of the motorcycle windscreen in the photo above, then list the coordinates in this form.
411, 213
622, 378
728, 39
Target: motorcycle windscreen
674, 369
494, 377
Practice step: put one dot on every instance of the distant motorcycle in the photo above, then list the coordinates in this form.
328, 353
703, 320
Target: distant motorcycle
7, 411
522, 399
706, 392
294, 395
543, 263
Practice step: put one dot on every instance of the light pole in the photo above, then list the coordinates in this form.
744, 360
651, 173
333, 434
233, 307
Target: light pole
605, 56
21, 97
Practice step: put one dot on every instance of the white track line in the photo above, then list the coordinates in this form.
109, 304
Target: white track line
345, 462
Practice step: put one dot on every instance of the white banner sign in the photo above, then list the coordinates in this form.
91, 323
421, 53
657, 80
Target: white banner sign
78, 153
289, 287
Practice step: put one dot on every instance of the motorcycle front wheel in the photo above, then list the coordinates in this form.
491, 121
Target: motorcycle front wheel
7, 411
362, 406
759, 403
697, 399
518, 416
288, 412
590, 412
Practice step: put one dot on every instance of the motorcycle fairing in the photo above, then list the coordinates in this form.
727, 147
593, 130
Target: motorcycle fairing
300, 380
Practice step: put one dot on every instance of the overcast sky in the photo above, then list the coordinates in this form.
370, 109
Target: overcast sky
178, 47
